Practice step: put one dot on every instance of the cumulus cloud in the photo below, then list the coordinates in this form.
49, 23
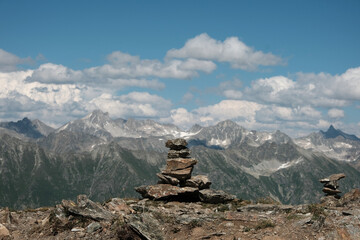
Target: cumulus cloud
58, 74
181, 118
123, 65
231, 89
274, 113
134, 104
9, 61
316, 90
240, 111
231, 50
54, 73
336, 113
58, 103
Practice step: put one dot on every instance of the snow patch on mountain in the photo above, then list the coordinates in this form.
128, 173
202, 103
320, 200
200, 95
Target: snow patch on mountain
267, 167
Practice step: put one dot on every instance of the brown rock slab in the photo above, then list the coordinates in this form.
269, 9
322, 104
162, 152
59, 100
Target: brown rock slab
351, 198
87, 208
199, 181
330, 191
337, 177
183, 153
179, 163
169, 192
181, 174
119, 206
176, 144
334, 177
165, 179
4, 232
215, 196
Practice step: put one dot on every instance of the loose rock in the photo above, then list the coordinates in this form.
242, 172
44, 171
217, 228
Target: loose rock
4, 232
169, 192
92, 227
215, 196
87, 208
199, 181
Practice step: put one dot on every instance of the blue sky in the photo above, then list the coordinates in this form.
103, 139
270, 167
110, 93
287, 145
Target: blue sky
266, 65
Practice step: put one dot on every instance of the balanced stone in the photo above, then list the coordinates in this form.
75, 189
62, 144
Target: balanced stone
179, 163
183, 153
199, 181
176, 144
168, 192
331, 184
181, 174
164, 179
330, 191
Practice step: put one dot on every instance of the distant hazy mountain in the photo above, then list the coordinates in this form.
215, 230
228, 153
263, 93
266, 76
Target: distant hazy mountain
100, 124
104, 158
32, 129
333, 143
333, 133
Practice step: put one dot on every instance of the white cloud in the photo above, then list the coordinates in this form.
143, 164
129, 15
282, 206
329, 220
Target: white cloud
54, 73
50, 73
134, 104
274, 113
336, 113
232, 94
9, 61
122, 65
181, 118
232, 50
316, 90
231, 89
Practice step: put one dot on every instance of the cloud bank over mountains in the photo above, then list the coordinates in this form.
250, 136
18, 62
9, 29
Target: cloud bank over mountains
56, 93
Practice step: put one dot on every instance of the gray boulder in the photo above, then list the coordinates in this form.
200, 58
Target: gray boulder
87, 208
215, 196
199, 181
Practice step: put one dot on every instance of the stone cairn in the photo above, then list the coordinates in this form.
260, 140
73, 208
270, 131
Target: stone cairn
179, 167
176, 183
331, 186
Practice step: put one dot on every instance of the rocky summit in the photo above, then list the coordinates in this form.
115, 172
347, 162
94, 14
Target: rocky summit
162, 220
176, 183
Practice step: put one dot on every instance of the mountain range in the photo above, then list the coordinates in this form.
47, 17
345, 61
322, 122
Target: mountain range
104, 158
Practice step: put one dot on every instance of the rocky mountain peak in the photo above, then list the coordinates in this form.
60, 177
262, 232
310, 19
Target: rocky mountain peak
97, 116
227, 124
333, 133
24, 126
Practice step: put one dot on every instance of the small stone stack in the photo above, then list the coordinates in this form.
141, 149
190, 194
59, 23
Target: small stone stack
176, 182
331, 186
179, 167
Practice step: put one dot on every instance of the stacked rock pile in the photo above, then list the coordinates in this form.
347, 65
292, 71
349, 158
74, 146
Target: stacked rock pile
331, 186
179, 167
176, 183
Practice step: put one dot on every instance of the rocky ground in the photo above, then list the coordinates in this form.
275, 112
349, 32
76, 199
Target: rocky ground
147, 219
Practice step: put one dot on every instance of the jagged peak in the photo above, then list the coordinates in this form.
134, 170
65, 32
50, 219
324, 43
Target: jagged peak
96, 113
227, 123
332, 132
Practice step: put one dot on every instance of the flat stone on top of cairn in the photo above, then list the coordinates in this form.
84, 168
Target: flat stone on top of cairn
331, 186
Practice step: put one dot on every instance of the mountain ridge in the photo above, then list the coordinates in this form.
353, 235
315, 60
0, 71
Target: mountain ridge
84, 156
